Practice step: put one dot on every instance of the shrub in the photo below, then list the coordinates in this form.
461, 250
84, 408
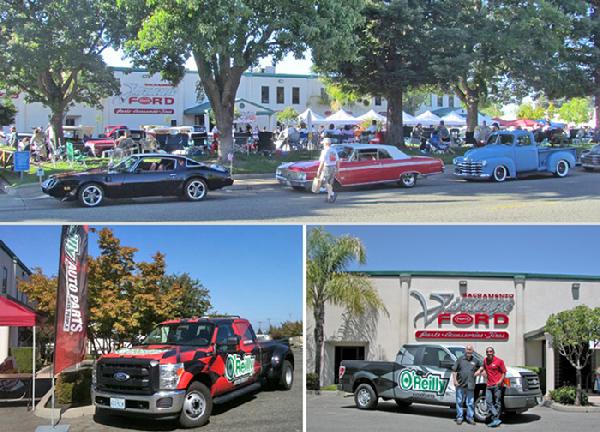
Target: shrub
312, 381
73, 388
23, 357
566, 395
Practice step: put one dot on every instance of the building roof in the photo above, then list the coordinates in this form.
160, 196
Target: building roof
205, 106
14, 256
248, 74
469, 274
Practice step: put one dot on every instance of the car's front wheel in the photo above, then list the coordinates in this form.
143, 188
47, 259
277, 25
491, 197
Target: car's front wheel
195, 189
403, 404
197, 406
562, 168
365, 397
481, 410
500, 173
90, 195
287, 376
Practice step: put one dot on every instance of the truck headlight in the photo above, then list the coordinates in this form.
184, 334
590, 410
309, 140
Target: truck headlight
483, 163
455, 161
515, 382
169, 376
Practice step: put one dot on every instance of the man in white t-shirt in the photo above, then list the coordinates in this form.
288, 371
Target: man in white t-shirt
328, 168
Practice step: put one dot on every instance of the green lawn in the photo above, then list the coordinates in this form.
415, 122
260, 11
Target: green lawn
49, 168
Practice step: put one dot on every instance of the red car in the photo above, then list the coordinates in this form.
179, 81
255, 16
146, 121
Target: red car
364, 164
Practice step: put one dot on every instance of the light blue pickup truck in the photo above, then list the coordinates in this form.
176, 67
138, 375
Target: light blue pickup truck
512, 153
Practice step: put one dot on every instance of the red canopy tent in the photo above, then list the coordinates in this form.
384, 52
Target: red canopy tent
16, 314
517, 123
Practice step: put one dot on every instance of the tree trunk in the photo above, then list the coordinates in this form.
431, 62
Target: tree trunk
472, 112
56, 120
578, 391
319, 315
395, 132
224, 118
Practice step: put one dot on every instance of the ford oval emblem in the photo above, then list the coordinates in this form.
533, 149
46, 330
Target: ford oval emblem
121, 376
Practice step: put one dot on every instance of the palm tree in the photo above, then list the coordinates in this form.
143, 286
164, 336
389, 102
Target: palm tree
328, 282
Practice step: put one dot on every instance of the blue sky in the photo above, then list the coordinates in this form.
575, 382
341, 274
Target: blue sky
570, 249
253, 271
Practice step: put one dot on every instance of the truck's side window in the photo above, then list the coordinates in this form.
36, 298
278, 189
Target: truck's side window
408, 356
245, 329
432, 356
225, 331
523, 140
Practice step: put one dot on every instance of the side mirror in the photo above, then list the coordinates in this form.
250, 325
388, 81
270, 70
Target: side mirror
446, 364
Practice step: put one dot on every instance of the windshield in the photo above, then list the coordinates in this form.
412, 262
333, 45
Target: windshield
506, 139
125, 164
195, 334
343, 152
460, 351
595, 150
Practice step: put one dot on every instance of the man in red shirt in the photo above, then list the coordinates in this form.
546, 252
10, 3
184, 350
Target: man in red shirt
495, 371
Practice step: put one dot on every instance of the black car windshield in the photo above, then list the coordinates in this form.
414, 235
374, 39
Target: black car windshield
194, 334
126, 164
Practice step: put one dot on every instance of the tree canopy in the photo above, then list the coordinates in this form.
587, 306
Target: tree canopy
226, 37
51, 50
7, 111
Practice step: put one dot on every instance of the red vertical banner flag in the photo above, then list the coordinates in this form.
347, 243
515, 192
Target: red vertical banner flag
72, 300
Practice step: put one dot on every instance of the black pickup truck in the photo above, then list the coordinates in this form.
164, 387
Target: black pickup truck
422, 373
184, 366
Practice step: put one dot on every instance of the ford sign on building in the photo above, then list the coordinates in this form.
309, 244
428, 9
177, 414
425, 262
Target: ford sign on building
505, 310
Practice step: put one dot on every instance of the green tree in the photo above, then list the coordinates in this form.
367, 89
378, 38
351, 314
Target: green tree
7, 111
392, 50
286, 330
531, 112
338, 97
328, 282
575, 110
52, 51
193, 299
571, 332
226, 37
287, 115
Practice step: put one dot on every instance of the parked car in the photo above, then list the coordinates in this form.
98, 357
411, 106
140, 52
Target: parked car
590, 160
107, 140
364, 164
513, 153
185, 366
137, 176
422, 373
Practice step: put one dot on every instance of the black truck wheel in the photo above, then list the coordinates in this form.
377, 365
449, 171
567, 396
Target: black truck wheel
403, 404
365, 397
197, 406
500, 173
562, 168
287, 376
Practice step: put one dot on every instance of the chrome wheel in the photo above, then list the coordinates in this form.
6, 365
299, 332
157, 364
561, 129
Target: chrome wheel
481, 411
408, 180
288, 376
364, 397
91, 195
196, 190
194, 405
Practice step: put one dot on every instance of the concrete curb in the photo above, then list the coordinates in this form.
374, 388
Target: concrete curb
43, 412
571, 408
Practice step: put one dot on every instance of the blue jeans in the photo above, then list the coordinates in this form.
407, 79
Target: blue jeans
493, 400
461, 394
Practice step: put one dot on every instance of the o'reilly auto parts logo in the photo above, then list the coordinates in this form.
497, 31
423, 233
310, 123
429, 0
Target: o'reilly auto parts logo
434, 383
238, 367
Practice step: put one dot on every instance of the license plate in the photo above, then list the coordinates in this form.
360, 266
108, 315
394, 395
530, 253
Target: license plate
117, 403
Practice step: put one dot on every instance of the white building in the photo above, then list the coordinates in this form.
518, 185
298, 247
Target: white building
12, 270
147, 100
505, 310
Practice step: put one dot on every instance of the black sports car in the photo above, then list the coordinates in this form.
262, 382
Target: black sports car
139, 176
591, 158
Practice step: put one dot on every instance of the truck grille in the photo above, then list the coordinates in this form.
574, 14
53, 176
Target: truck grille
138, 377
289, 174
531, 382
591, 159
469, 168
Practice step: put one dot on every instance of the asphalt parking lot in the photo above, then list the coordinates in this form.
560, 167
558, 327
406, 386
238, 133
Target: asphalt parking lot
438, 199
267, 411
331, 412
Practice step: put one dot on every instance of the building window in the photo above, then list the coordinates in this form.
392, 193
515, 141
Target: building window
280, 95
264, 94
451, 101
296, 95
173, 123
70, 121
4, 280
377, 100
440, 101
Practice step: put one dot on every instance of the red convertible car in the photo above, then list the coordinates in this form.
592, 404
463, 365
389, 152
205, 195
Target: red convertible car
364, 164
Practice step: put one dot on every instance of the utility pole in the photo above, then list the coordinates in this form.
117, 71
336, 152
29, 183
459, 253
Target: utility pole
260, 326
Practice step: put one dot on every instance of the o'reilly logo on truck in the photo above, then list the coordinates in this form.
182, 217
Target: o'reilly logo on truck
410, 380
237, 367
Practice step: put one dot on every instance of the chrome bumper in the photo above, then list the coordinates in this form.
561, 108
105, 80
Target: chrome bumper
141, 403
296, 183
472, 176
587, 165
521, 403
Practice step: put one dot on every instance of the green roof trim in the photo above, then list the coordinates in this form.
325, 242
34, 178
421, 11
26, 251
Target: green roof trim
14, 256
505, 275
125, 69
205, 107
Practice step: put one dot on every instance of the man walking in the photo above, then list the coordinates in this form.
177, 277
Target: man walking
495, 371
464, 371
328, 168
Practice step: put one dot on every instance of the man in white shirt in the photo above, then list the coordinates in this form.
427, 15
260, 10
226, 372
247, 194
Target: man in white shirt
328, 168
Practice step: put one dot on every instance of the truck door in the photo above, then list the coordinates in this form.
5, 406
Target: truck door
526, 154
250, 347
436, 379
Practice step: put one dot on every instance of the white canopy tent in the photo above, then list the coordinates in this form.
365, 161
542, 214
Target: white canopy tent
372, 115
313, 115
409, 120
340, 118
428, 119
454, 119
